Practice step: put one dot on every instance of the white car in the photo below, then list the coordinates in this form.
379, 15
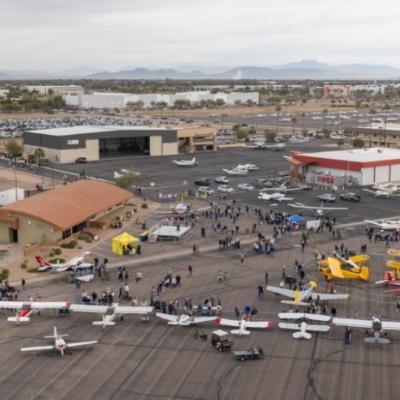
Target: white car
330, 198
225, 188
206, 189
246, 186
221, 179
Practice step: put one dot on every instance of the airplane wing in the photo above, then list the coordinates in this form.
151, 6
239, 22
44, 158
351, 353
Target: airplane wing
259, 324
313, 317
327, 296
372, 222
122, 310
390, 326
317, 328
228, 322
281, 291
37, 348
289, 325
167, 317
199, 320
81, 344
334, 266
354, 323
34, 304
89, 308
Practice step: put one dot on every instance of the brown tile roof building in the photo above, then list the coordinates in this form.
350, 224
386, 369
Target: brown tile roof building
71, 204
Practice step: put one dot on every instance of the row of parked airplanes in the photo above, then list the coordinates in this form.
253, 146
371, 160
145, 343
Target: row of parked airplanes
301, 323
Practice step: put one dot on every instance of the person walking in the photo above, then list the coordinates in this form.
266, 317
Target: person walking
23, 282
241, 257
190, 271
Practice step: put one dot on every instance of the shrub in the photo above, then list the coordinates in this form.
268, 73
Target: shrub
32, 270
51, 254
57, 251
69, 245
144, 205
24, 264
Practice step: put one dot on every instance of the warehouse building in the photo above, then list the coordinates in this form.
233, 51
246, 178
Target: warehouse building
51, 216
65, 145
357, 166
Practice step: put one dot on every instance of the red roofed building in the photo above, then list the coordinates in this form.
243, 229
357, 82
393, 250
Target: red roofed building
359, 166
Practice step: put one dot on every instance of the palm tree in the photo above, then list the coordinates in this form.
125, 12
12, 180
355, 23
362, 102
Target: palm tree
386, 108
294, 122
278, 109
371, 112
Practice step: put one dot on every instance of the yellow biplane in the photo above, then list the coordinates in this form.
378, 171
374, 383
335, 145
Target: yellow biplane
344, 268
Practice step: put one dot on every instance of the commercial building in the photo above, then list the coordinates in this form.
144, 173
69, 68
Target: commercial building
121, 100
357, 166
379, 135
54, 89
65, 145
51, 216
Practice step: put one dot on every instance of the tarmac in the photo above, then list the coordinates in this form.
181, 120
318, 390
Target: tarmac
151, 360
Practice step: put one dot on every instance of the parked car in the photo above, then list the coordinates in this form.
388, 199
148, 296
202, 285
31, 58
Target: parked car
350, 196
202, 182
81, 160
225, 188
206, 189
246, 186
328, 197
252, 354
221, 179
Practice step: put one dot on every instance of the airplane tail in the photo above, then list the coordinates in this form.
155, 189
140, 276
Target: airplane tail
103, 323
302, 335
389, 276
364, 274
42, 261
240, 332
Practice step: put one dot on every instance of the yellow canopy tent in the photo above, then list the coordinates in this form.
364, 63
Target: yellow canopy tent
120, 242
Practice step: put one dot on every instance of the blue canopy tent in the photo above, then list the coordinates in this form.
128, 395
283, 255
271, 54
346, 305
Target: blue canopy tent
296, 219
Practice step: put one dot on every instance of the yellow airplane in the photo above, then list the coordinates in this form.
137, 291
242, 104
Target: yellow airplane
393, 253
394, 263
333, 268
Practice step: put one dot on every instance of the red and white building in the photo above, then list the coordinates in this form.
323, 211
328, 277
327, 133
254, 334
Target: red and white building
359, 166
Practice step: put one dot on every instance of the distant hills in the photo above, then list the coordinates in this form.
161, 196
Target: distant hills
306, 69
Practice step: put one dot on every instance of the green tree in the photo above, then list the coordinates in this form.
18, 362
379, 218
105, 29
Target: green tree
38, 155
219, 103
340, 142
294, 122
4, 274
358, 104
270, 136
128, 180
358, 143
236, 128
14, 149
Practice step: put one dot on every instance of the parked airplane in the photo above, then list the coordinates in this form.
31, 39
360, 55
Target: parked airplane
381, 193
110, 313
59, 344
390, 279
386, 225
389, 187
247, 167
378, 327
274, 196
284, 188
235, 171
182, 208
307, 294
243, 325
25, 308
74, 263
186, 163
333, 268
319, 210
303, 323
183, 319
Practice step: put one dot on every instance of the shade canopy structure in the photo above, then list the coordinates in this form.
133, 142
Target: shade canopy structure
296, 219
121, 242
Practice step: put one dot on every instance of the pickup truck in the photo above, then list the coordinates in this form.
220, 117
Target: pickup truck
254, 353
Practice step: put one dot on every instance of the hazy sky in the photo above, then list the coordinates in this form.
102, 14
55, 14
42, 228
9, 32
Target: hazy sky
111, 34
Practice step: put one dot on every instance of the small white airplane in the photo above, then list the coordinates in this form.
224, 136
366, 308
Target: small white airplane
235, 171
124, 172
117, 175
243, 325
387, 187
25, 308
283, 188
319, 210
182, 208
59, 344
386, 225
74, 263
183, 319
302, 324
381, 193
110, 313
186, 163
377, 325
274, 197
247, 167
302, 297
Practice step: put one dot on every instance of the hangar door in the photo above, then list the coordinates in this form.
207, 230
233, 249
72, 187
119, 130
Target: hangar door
112, 147
382, 174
